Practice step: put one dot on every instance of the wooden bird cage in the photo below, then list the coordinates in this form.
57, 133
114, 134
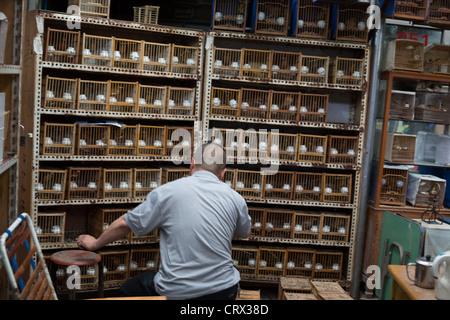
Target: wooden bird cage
284, 106
285, 65
439, 12
245, 259
347, 71
60, 93
152, 99
272, 17
127, 54
258, 216
117, 183
151, 141
227, 62
313, 108
172, 174
51, 185
95, 8
279, 224
351, 22
122, 140
58, 139
342, 150
93, 95
83, 183
400, 147
411, 9
314, 69
393, 185
146, 14
402, 104
50, 228
156, 56
404, 54
278, 185
337, 188
335, 227
312, 19
283, 146
312, 148
272, 262
308, 186
255, 63
115, 266
307, 227
123, 96
143, 260
180, 142
437, 58
180, 101
145, 181
298, 264
229, 140
88, 277
328, 265
102, 218
62, 46
249, 184
425, 189
253, 145
431, 113
97, 50
229, 15
93, 140
254, 103
185, 59
229, 177
224, 102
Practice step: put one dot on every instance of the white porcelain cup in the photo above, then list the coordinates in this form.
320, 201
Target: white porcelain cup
256, 186
50, 94
218, 64
71, 50
235, 65
304, 70
186, 103
100, 98
298, 227
218, 16
335, 266
56, 229
290, 264
290, 149
328, 190
299, 188
326, 229
286, 226
104, 54
134, 56
157, 103
82, 98
57, 187
216, 102
307, 265
239, 19
300, 23
269, 186
316, 189
92, 185
303, 149
321, 24
87, 52
66, 141
292, 108
279, 265
157, 143
153, 184
286, 187
142, 102
162, 60
262, 145
146, 59
280, 21
344, 190
117, 55
123, 185
112, 99
190, 62
233, 103
303, 109
48, 141
319, 150
251, 263
341, 230
314, 228
67, 96
261, 16
129, 143
174, 60
274, 107
334, 151
129, 100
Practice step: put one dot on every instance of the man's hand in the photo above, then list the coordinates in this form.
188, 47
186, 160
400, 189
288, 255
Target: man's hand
87, 242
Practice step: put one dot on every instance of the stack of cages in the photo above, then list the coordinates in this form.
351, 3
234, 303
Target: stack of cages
51, 185
146, 14
249, 184
284, 106
172, 174
115, 267
245, 259
310, 19
224, 102
145, 181
411, 10
307, 226
229, 15
117, 183
180, 101
83, 183
272, 262
335, 227
308, 186
283, 146
285, 65
255, 63
60, 93
50, 227
258, 216
122, 140
156, 56
254, 103
143, 260
271, 17
293, 287
152, 99
299, 263
439, 12
227, 62
278, 185
62, 46
102, 218
393, 185
93, 140
151, 141
313, 108
328, 265
93, 95
312, 148
123, 96
127, 54
185, 59
97, 50
347, 71
314, 69
58, 139
180, 142
342, 150
279, 223
95, 8
337, 188
351, 22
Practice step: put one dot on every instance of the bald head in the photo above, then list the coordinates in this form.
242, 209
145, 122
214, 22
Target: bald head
210, 157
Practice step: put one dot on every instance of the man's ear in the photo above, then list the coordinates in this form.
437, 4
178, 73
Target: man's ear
222, 174
192, 166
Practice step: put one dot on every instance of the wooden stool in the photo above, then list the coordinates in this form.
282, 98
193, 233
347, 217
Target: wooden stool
79, 258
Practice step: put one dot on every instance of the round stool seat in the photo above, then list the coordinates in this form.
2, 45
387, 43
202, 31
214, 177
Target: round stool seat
75, 257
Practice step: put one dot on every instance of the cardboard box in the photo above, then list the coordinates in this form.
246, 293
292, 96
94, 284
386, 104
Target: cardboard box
3, 34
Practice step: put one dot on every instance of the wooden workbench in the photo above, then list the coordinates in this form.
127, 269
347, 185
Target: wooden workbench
405, 289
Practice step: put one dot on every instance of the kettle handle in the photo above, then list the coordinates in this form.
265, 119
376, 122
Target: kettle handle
407, 272
443, 257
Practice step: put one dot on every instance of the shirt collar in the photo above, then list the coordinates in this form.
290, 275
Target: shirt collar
206, 174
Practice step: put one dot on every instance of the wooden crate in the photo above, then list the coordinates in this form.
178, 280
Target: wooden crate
122, 140
351, 22
285, 65
60, 93
393, 185
312, 148
248, 294
307, 226
156, 56
313, 108
312, 19
95, 8
146, 14
425, 189
337, 188
278, 185
143, 260
279, 223
288, 284
335, 227
51, 185
224, 102
62, 46
152, 99
255, 63
258, 216
437, 58
284, 105
185, 59
145, 181
347, 71
298, 296
83, 183
97, 50
322, 289
50, 228
411, 10
227, 62
299, 264
404, 54
180, 142
283, 146
151, 141
58, 139
328, 265
400, 147
229, 15
249, 184
180, 101
93, 95
308, 186
115, 266
272, 261
254, 103
439, 12
93, 140
314, 69
172, 174
432, 113
272, 17
127, 54
342, 150
123, 96
402, 104
101, 219
245, 259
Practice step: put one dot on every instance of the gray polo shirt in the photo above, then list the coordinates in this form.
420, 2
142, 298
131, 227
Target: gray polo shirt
197, 217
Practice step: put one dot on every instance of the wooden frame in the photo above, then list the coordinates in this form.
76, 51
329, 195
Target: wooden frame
393, 185
314, 69
185, 59
400, 147
93, 140
93, 95
101, 219
272, 17
151, 141
351, 22
337, 188
272, 261
62, 46
308, 186
279, 223
60, 93
416, 10
312, 148
224, 102
307, 226
285, 65
180, 101
283, 146
284, 106
255, 63
58, 139
83, 183
405, 54
123, 96
172, 174
116, 266
335, 227
298, 261
331, 265
227, 62
145, 181
254, 103
50, 227
122, 140
313, 108
156, 56
51, 185
229, 15
146, 14
152, 99
117, 183
96, 8
97, 50
143, 260
249, 184
348, 71
245, 259
312, 19
278, 185
342, 150
127, 54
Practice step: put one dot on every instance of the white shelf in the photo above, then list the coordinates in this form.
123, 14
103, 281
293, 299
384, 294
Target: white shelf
9, 69
8, 163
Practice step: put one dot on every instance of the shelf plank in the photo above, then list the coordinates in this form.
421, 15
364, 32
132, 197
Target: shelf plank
9, 69
7, 163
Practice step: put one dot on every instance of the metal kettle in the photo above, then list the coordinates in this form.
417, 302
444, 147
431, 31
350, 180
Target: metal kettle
442, 288
424, 272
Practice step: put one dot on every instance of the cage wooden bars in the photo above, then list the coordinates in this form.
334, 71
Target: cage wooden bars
180, 101
292, 285
156, 56
146, 14
185, 59
151, 141
152, 236
51, 185
279, 223
285, 65
145, 181
102, 218
402, 104
337, 188
62, 46
50, 227
97, 50
229, 139
335, 227
253, 145
312, 19
143, 260
299, 263
83, 183
348, 71
308, 186
115, 266
342, 150
437, 57
254, 103
180, 142
58, 139
284, 106
249, 184
393, 185
314, 69
224, 102
229, 15
122, 140
123, 96
117, 183
272, 17
283, 146
229, 177
127, 54
400, 147
88, 277
93, 95
60, 93
93, 140
439, 12
227, 62
328, 265
258, 216
255, 63
96, 8
272, 261
278, 185
152, 99
411, 9
245, 259
313, 108
312, 148
172, 174
351, 22
424, 190
405, 54
307, 226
